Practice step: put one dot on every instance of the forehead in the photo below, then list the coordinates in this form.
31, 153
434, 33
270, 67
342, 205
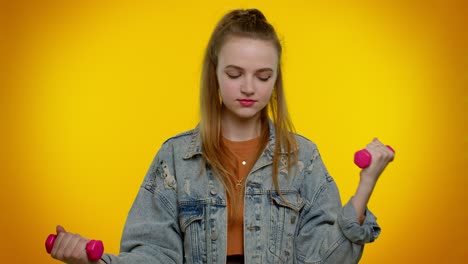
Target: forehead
248, 53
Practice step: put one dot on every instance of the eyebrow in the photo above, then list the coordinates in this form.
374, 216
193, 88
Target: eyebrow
241, 69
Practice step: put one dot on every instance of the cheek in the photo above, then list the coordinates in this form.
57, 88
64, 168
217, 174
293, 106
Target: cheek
227, 87
266, 91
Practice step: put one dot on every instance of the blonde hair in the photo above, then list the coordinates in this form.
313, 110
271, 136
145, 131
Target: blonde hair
250, 23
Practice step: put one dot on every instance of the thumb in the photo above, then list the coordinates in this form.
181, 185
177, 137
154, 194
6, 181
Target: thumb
60, 229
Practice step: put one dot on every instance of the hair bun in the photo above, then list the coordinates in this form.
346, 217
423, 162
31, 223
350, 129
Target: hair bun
252, 15
256, 14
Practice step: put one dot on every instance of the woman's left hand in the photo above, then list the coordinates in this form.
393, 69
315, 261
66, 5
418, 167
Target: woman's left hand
381, 156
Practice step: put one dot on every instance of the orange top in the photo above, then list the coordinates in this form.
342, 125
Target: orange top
246, 156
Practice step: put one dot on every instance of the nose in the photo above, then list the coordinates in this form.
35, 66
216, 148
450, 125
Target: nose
247, 87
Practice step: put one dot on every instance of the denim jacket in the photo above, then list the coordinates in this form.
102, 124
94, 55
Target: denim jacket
180, 215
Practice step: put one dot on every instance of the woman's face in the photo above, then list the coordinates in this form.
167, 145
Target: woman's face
246, 71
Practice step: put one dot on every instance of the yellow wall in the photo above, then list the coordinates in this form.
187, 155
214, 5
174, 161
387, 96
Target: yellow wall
91, 89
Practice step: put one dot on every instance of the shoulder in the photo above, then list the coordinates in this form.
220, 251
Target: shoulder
307, 148
315, 172
181, 137
183, 145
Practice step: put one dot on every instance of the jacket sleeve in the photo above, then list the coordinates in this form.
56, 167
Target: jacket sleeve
328, 232
151, 233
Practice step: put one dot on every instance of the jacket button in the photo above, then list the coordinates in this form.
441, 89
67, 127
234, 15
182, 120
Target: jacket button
214, 235
293, 219
213, 192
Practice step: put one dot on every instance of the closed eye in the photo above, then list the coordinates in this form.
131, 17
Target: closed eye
233, 76
264, 79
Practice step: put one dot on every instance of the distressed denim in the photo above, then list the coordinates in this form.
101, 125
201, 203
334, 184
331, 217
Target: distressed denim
180, 215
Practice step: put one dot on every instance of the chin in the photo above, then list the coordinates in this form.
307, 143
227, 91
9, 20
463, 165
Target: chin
243, 114
248, 116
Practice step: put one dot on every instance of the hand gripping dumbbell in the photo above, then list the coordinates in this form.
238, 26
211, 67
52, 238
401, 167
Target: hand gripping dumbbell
94, 248
363, 158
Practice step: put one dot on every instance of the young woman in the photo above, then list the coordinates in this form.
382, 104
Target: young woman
242, 186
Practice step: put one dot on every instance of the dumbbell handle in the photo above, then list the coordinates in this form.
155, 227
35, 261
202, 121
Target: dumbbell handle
94, 248
363, 158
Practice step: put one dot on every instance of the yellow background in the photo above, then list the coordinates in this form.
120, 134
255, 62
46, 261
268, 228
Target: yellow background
90, 90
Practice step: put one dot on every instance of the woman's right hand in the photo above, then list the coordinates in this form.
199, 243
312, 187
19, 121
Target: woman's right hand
71, 248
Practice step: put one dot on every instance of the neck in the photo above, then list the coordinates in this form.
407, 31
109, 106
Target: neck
241, 129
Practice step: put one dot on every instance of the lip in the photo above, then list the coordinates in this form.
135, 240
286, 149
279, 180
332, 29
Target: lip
247, 102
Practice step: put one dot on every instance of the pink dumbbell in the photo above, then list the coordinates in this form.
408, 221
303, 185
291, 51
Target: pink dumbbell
94, 248
363, 158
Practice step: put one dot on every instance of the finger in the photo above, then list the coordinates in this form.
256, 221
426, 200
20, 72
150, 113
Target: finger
378, 151
383, 149
68, 252
377, 142
390, 154
60, 244
79, 251
378, 145
374, 142
60, 229
373, 146
55, 246
383, 153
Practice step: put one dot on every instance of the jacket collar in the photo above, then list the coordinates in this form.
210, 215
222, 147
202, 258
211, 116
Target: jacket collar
195, 146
